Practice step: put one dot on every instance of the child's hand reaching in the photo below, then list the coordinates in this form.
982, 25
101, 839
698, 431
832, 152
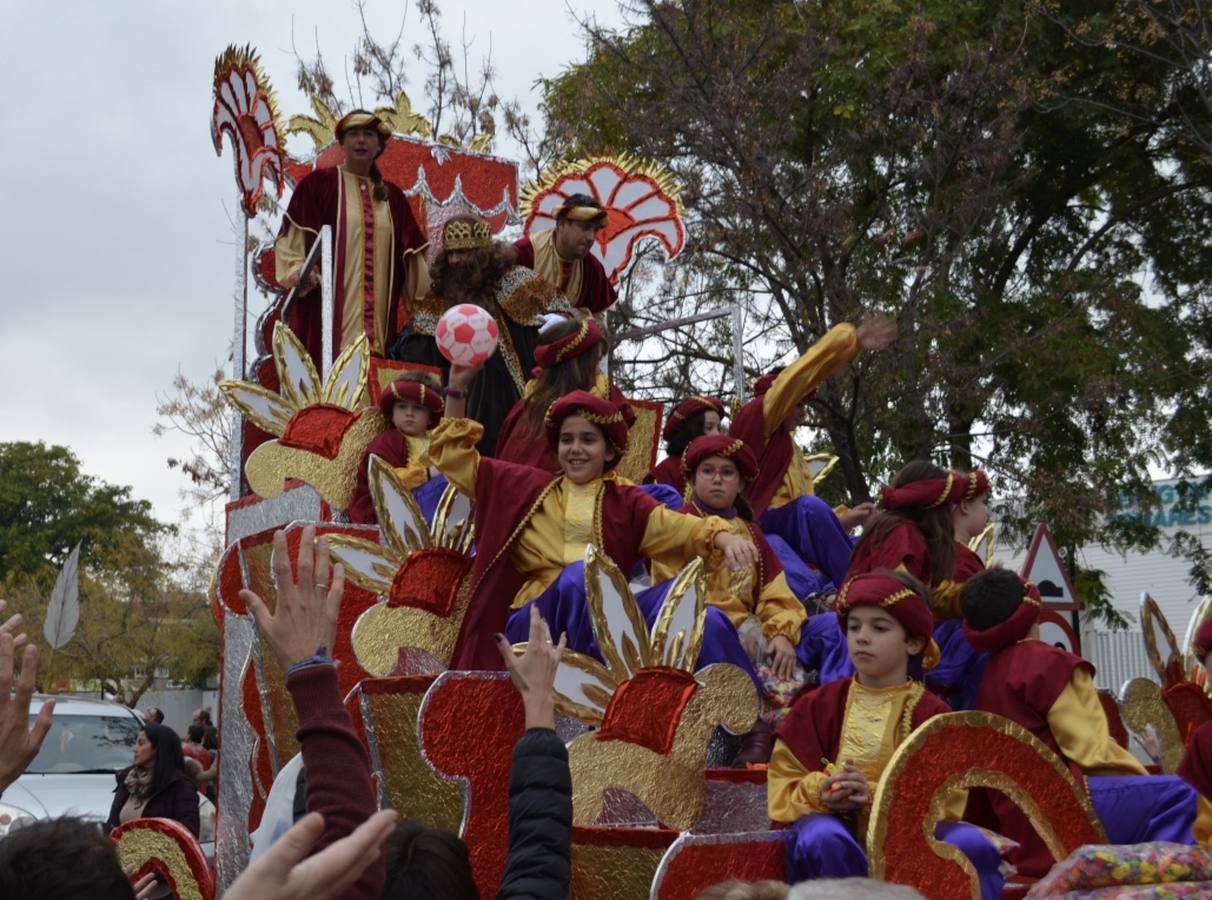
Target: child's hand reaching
847, 790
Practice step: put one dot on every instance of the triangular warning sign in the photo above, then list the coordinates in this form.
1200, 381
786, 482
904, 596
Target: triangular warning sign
1044, 568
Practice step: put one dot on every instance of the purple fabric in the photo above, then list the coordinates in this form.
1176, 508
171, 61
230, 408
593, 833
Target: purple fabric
563, 607
959, 670
823, 648
820, 846
813, 531
1139, 808
428, 494
803, 581
663, 493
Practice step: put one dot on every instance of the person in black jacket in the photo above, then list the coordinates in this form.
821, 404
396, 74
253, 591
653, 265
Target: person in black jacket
156, 785
430, 862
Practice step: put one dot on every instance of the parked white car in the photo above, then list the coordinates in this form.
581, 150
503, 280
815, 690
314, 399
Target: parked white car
73, 774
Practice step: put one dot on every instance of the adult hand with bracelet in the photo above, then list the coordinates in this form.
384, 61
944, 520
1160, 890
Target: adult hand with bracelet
458, 383
301, 629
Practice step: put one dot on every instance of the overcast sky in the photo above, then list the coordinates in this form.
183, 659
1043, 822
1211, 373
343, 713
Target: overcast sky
117, 239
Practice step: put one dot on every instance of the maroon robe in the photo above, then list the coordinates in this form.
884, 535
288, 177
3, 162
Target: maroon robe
1196, 767
903, 545
812, 729
597, 293
967, 563
316, 202
1021, 683
392, 448
668, 471
507, 495
774, 455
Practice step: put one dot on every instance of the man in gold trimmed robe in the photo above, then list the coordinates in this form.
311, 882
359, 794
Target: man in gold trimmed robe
561, 254
472, 268
376, 244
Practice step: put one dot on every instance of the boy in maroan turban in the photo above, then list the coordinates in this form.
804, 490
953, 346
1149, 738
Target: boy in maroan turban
833, 746
757, 601
412, 405
561, 255
1050, 692
532, 527
376, 244
780, 495
1196, 767
472, 268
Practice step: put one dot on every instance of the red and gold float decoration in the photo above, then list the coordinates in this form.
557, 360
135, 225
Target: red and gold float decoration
247, 112
169, 849
641, 197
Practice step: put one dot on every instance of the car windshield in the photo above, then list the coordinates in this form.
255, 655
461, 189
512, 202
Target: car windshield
86, 744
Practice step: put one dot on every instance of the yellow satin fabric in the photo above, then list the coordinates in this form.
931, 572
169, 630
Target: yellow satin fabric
1202, 829
290, 250
875, 723
416, 473
732, 592
1080, 727
541, 548
824, 358
550, 266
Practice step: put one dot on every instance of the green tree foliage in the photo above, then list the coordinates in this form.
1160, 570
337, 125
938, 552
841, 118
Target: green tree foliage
139, 611
1031, 208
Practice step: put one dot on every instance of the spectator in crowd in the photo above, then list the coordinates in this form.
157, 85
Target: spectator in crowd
210, 739
197, 757
153, 716
156, 783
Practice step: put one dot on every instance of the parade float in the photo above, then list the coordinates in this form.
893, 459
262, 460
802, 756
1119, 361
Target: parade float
657, 810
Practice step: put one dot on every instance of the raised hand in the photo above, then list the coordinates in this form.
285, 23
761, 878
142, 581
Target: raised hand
533, 673
305, 616
19, 743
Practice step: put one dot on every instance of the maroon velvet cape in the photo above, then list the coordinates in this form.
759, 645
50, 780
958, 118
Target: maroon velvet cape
774, 455
967, 563
903, 545
532, 450
668, 471
1020, 683
769, 566
812, 730
507, 496
1196, 767
316, 202
393, 449
597, 293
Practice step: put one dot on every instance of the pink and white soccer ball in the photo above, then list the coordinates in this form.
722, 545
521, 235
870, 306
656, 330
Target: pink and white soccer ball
466, 334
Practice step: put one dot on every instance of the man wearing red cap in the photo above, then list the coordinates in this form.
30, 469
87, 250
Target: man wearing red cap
833, 746
1051, 693
376, 244
412, 405
562, 254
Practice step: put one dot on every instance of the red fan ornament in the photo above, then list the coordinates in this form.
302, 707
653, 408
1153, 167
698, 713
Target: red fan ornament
245, 110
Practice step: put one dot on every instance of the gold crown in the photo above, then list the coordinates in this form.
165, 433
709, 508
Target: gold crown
461, 234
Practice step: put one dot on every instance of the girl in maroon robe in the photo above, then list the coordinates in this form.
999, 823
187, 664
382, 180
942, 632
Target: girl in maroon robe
692, 418
1196, 767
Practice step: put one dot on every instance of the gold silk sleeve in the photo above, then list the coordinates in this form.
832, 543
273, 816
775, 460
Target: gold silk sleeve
1080, 727
779, 611
828, 355
944, 600
792, 791
1202, 829
670, 534
413, 476
290, 250
416, 278
452, 451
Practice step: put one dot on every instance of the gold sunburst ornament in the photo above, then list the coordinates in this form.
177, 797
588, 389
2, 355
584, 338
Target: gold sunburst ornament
321, 431
419, 570
654, 713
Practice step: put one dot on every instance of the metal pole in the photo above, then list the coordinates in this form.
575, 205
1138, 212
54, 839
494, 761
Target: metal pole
239, 341
636, 334
738, 354
327, 302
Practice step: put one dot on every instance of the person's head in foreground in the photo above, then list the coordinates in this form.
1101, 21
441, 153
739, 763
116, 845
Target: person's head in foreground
412, 404
999, 609
588, 435
578, 220
888, 624
64, 857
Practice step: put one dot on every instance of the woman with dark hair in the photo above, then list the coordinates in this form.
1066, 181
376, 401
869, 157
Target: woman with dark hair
156, 784
693, 417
